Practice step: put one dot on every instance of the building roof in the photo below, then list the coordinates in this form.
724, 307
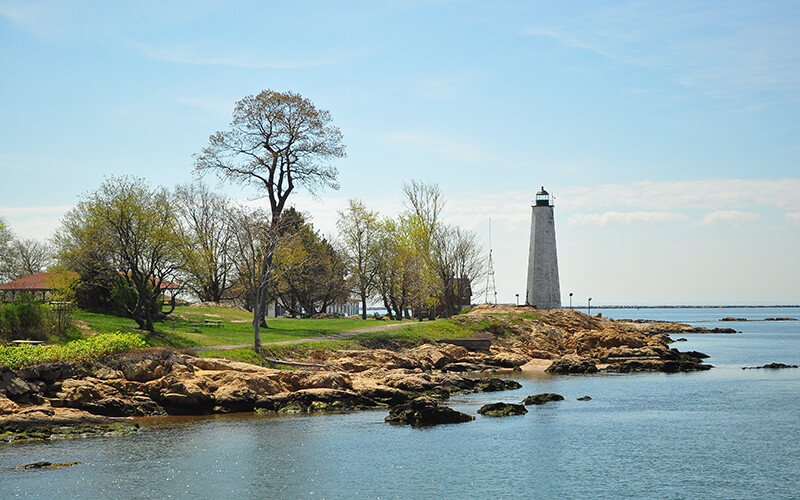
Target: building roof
42, 281
38, 281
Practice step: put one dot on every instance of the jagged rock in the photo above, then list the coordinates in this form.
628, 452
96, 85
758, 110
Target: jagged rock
13, 386
144, 370
385, 395
502, 409
424, 411
508, 359
585, 398
439, 355
49, 373
566, 366
315, 400
540, 399
465, 367
496, 384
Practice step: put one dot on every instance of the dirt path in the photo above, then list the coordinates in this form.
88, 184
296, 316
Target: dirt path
332, 336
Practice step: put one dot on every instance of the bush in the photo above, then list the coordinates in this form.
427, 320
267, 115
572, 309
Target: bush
24, 318
24, 356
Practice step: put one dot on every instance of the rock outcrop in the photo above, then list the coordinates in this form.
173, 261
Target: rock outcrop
100, 396
425, 411
97, 397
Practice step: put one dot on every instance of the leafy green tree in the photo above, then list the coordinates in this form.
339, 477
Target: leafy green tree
124, 230
360, 231
399, 279
446, 258
309, 273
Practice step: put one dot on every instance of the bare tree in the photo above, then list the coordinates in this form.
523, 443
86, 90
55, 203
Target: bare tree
6, 252
207, 233
30, 257
254, 244
276, 141
457, 263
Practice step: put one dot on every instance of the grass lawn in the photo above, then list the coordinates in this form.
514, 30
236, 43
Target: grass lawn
195, 326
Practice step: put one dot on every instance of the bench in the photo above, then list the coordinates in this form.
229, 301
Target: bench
28, 342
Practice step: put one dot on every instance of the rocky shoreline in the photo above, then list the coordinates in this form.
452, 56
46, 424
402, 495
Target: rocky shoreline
99, 398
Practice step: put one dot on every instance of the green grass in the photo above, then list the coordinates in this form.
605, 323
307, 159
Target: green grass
415, 333
186, 328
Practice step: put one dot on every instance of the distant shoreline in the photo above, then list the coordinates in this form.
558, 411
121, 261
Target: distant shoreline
785, 306
691, 307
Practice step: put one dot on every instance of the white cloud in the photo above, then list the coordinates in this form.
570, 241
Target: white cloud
626, 218
793, 217
38, 222
712, 194
733, 218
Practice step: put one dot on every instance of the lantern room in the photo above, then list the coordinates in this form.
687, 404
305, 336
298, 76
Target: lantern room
542, 198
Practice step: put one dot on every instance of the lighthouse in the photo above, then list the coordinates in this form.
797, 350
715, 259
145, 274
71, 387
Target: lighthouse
544, 291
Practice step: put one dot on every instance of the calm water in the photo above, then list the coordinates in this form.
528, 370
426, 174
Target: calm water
724, 433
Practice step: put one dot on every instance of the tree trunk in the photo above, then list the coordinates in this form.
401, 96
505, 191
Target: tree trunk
363, 305
257, 316
388, 308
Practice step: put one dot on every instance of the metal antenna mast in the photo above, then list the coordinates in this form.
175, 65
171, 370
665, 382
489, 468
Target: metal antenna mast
490, 285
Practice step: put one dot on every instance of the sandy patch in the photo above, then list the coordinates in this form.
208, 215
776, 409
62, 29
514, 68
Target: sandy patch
536, 365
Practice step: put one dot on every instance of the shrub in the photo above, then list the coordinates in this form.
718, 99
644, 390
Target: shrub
24, 356
24, 318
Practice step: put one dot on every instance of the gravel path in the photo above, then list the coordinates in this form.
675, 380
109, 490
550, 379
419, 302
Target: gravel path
332, 336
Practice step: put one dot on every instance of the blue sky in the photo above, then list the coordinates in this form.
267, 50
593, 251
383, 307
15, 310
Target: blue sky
666, 130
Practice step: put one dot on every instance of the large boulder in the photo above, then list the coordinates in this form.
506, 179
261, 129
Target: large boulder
424, 411
502, 409
540, 399
568, 365
508, 359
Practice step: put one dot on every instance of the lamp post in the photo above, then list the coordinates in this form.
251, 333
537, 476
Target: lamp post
590, 306
517, 299
570, 300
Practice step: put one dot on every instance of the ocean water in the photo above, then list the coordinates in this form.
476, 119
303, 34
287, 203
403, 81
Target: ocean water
724, 433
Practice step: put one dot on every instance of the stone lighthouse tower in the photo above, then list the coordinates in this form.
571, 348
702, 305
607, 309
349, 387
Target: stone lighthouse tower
543, 290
